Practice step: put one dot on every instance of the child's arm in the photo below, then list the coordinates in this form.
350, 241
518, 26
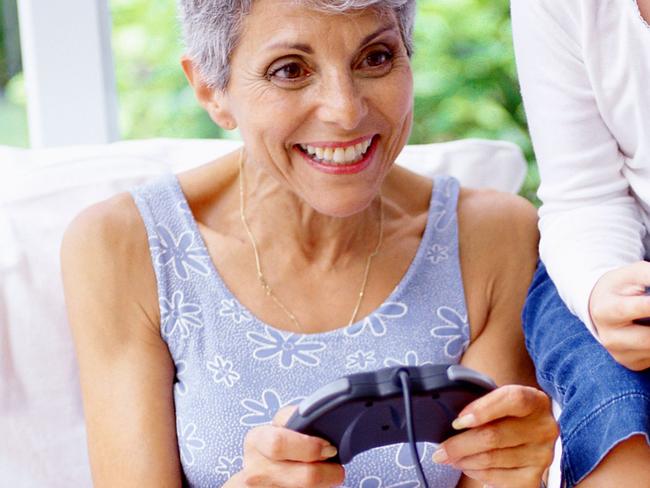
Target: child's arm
590, 223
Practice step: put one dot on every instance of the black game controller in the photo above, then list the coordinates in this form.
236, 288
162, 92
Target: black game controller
366, 410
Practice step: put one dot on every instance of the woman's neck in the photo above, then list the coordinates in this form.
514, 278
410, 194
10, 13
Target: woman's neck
279, 219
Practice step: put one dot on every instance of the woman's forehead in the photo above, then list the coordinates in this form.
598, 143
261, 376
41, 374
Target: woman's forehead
274, 23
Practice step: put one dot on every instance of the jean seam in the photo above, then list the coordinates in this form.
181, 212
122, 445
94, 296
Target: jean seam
568, 467
601, 408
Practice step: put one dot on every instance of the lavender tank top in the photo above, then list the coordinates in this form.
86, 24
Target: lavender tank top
233, 371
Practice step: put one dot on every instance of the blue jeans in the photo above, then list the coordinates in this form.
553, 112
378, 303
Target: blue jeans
603, 403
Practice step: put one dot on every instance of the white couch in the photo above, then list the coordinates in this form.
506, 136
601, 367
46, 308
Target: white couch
42, 435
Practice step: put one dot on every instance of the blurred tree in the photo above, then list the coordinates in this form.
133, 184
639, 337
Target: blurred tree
13, 116
155, 99
465, 77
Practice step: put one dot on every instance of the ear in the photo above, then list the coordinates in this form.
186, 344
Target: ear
213, 100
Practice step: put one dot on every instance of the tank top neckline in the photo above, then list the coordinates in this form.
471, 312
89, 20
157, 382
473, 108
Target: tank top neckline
392, 296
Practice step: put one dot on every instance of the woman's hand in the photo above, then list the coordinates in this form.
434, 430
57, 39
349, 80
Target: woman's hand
616, 301
280, 457
510, 441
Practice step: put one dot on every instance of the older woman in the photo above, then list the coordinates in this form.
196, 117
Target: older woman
203, 303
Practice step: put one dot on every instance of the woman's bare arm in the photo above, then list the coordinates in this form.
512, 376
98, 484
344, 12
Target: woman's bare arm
498, 239
499, 251
126, 370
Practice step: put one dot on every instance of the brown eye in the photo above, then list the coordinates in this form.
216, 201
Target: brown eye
289, 71
378, 58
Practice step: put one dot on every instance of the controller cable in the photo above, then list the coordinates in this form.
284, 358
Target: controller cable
406, 392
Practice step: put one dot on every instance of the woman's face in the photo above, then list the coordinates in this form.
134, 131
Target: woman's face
323, 102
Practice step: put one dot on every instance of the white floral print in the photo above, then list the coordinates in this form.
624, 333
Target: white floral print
360, 360
455, 331
222, 371
289, 348
376, 322
262, 411
182, 253
229, 467
437, 253
184, 207
233, 309
410, 359
179, 316
403, 457
443, 215
188, 442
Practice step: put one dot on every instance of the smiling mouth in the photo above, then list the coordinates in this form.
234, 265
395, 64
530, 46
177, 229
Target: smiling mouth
337, 156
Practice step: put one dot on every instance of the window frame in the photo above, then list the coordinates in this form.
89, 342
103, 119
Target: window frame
69, 72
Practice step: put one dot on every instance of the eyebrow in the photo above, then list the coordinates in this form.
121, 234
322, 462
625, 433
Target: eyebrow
377, 33
306, 48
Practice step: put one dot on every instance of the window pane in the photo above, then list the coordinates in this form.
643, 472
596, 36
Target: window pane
13, 113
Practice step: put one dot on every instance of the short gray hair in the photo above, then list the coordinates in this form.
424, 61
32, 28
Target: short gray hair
211, 28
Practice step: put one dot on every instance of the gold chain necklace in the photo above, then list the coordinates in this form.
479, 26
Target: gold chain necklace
260, 275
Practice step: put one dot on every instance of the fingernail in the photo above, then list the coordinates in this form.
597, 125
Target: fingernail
464, 422
328, 452
440, 456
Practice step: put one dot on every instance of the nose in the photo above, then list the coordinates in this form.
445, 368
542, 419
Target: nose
341, 102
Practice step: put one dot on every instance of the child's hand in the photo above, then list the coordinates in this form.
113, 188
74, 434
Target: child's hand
510, 441
616, 301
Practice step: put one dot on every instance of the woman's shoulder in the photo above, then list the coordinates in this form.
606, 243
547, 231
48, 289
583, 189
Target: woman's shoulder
494, 217
105, 228
105, 258
498, 238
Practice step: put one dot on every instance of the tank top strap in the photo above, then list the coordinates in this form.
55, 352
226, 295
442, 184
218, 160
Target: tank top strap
179, 256
444, 201
435, 277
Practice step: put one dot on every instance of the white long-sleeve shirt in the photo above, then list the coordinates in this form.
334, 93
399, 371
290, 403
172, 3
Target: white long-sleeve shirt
584, 69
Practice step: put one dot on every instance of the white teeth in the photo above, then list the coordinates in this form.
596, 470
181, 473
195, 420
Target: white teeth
338, 155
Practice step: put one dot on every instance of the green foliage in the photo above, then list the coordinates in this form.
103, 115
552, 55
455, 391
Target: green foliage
13, 113
465, 77
155, 99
